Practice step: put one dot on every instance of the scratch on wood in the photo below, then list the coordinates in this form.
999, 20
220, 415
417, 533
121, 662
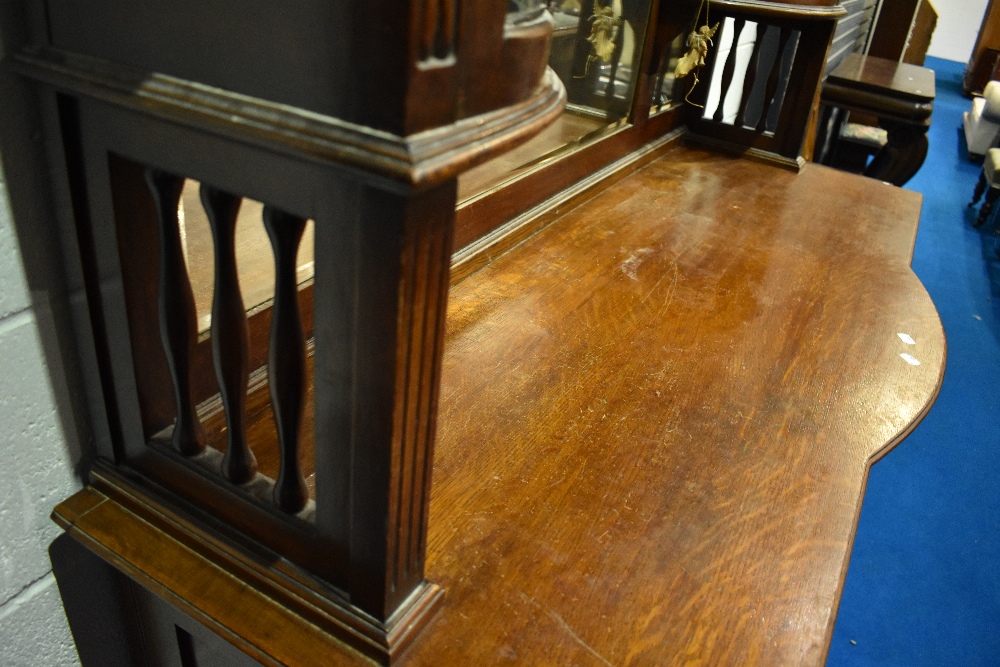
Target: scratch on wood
631, 265
559, 619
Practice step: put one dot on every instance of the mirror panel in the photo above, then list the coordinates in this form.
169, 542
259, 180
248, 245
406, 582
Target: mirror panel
596, 50
668, 91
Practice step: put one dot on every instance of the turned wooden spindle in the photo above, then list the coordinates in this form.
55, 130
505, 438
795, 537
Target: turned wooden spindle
750, 78
177, 315
230, 351
286, 361
774, 78
728, 70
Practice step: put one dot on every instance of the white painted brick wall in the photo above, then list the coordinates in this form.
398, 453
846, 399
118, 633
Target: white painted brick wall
33, 630
36, 474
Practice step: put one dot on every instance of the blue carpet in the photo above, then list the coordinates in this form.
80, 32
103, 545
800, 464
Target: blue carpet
923, 586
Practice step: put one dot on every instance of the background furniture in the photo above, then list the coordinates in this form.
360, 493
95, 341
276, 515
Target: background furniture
853, 32
901, 96
854, 146
903, 30
983, 64
897, 30
989, 182
981, 124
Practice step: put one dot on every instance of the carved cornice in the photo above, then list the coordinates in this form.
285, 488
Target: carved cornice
418, 160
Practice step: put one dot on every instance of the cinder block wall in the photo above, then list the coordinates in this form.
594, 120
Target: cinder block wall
36, 472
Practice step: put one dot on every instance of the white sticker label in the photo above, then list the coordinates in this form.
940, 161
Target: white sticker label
906, 338
910, 359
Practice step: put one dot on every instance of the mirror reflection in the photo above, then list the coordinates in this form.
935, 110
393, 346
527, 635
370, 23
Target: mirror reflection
597, 53
521, 11
596, 48
667, 89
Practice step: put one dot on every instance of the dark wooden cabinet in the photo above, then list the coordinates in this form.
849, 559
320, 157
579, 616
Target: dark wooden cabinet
903, 31
985, 59
606, 358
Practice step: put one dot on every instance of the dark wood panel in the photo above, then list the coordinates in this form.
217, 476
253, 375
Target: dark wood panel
893, 28
402, 86
176, 38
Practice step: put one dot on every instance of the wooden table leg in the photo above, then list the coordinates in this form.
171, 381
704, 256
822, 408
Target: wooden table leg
902, 156
984, 212
831, 121
978, 192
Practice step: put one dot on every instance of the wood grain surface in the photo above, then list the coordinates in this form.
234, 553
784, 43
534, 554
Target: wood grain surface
656, 421
658, 414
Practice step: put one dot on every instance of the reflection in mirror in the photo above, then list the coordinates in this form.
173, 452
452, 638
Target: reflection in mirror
668, 91
606, 47
596, 48
524, 11
674, 27
254, 260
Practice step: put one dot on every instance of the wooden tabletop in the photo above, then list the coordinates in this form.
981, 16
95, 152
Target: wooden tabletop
886, 77
656, 421
658, 414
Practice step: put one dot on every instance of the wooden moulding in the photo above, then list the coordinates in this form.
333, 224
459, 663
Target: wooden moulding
481, 252
749, 152
808, 9
420, 160
249, 597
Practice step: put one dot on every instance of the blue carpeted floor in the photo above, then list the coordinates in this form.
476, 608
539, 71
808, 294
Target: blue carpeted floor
924, 581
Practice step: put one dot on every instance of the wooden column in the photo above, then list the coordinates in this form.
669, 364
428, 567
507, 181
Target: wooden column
379, 325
